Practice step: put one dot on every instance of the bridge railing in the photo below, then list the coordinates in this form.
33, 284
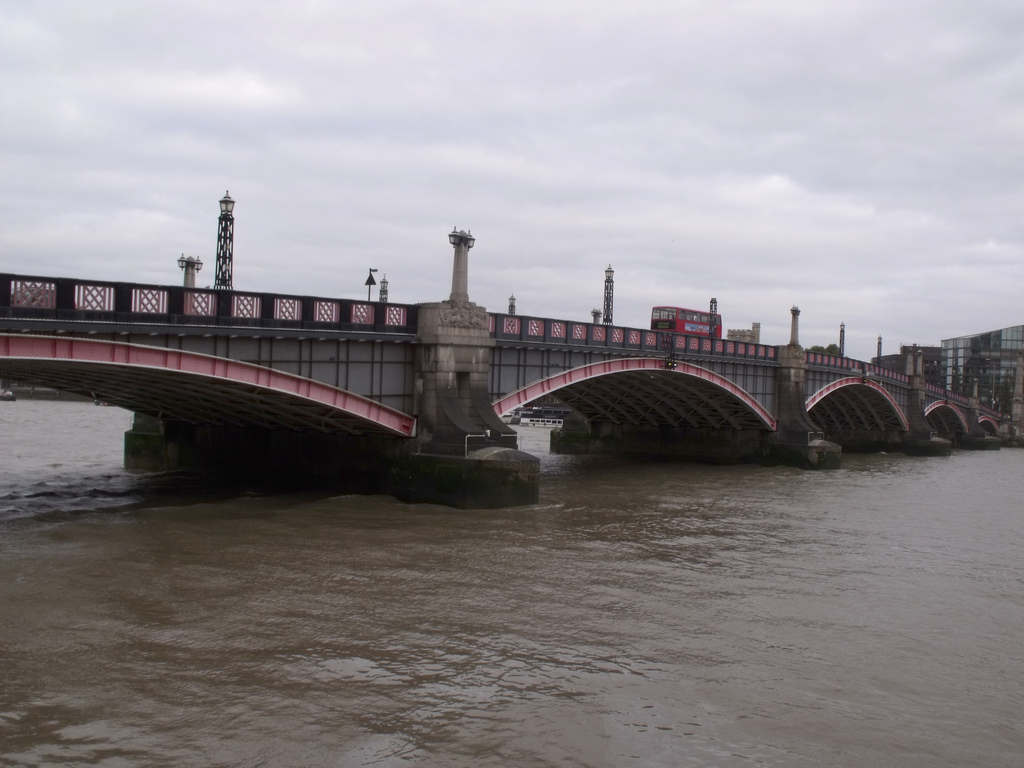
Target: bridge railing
946, 394
67, 299
838, 362
570, 333
995, 413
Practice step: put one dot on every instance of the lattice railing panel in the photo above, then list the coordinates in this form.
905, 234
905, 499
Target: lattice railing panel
535, 328
29, 293
395, 316
202, 304
151, 300
287, 309
245, 306
326, 312
95, 298
557, 330
511, 325
362, 313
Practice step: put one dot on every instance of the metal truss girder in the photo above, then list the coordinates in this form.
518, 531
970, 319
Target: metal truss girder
856, 407
944, 418
192, 387
658, 398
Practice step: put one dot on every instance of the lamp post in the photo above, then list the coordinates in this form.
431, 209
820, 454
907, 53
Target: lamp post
512, 304
225, 243
191, 265
382, 292
842, 339
370, 282
609, 294
462, 241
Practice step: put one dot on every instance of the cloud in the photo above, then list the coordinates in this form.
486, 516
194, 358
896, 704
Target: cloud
859, 159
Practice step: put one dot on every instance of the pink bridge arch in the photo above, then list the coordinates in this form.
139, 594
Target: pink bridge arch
989, 424
187, 386
851, 381
761, 418
946, 404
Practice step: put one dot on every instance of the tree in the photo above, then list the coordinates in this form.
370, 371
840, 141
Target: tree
831, 349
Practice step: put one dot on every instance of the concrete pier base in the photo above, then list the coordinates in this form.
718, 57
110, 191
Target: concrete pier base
816, 454
868, 440
488, 478
935, 446
981, 442
145, 447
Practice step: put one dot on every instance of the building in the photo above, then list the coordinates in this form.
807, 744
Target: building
932, 362
753, 336
990, 359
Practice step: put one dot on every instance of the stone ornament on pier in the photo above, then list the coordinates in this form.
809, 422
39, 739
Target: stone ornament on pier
462, 241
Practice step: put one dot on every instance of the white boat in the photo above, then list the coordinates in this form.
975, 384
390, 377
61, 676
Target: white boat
543, 416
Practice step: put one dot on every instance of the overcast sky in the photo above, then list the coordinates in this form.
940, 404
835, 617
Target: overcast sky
861, 159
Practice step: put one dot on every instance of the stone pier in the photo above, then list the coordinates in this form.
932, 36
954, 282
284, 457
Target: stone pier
921, 439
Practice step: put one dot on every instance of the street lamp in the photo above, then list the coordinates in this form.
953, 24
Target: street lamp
370, 282
382, 292
225, 243
609, 293
191, 265
462, 241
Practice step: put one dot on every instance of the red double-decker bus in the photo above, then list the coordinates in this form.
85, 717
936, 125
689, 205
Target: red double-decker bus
692, 321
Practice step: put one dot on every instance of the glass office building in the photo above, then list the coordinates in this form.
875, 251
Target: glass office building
989, 358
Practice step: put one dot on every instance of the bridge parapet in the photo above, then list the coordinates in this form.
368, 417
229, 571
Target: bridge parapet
939, 393
538, 331
819, 360
35, 298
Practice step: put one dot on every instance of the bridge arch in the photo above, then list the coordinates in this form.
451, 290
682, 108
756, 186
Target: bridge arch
989, 424
945, 418
187, 386
855, 404
642, 391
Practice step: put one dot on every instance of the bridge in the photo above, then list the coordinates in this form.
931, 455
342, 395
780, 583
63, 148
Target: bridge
407, 399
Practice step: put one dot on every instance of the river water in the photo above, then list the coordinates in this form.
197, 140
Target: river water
641, 615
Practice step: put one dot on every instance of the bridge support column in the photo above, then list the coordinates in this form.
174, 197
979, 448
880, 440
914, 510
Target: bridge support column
1016, 432
797, 440
464, 454
462, 447
977, 439
146, 448
920, 440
